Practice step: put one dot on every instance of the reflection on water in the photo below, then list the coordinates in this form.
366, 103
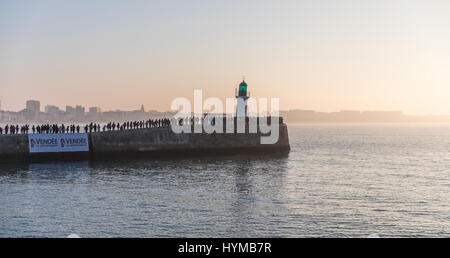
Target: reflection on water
338, 181
147, 198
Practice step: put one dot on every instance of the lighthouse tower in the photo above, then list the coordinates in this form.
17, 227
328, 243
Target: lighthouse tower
242, 97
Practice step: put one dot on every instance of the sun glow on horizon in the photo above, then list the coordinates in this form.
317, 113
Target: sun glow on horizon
323, 55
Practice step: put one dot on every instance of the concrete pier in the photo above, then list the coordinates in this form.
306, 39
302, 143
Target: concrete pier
149, 142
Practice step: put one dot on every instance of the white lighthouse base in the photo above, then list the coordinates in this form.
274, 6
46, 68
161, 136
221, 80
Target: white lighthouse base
241, 107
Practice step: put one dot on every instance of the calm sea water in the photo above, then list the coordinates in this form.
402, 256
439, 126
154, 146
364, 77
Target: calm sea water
338, 181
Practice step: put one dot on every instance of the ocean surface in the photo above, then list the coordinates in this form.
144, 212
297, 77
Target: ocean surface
352, 180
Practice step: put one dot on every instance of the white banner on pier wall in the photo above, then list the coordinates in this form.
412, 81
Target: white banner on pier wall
39, 143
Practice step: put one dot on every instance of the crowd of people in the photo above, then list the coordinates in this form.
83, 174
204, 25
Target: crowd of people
111, 126
92, 127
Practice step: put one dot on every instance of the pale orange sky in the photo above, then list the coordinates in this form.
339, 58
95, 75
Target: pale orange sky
321, 55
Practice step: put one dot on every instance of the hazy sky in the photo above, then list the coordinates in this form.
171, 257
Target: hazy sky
322, 55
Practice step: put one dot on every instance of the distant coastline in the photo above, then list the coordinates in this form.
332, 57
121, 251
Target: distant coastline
290, 116
350, 116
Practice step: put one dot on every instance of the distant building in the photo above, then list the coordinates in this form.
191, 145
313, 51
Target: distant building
94, 110
142, 109
79, 112
70, 110
33, 107
52, 110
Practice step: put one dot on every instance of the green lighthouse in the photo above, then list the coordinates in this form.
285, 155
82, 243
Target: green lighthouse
242, 97
242, 89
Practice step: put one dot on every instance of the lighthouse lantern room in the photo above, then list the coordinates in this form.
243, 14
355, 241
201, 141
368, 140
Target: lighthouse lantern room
242, 97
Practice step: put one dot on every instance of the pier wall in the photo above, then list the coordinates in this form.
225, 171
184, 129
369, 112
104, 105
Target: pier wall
13, 144
164, 140
152, 142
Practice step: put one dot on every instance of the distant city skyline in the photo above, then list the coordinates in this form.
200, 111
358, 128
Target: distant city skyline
49, 108
32, 113
321, 55
34, 107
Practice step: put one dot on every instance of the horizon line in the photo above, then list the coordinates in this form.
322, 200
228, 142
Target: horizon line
361, 111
